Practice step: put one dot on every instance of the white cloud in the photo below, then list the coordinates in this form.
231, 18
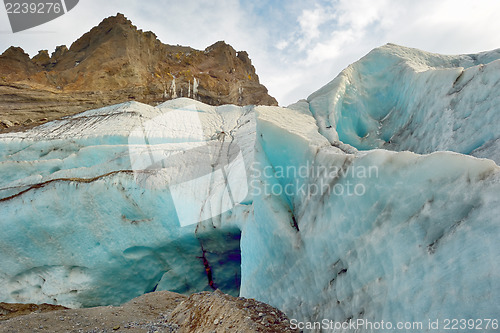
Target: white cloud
332, 47
282, 44
310, 21
342, 24
358, 15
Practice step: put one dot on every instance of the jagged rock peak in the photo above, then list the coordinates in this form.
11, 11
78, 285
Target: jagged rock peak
59, 52
114, 26
14, 51
15, 63
42, 58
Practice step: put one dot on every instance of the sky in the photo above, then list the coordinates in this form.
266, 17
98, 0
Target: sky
296, 46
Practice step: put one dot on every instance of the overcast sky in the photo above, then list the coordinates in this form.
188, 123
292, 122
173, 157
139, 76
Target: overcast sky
296, 46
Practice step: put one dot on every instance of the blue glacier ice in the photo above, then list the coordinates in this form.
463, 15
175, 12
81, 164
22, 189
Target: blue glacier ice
93, 234
376, 198
399, 98
417, 238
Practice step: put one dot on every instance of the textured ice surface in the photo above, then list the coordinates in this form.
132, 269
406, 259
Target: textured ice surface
400, 98
339, 222
81, 228
419, 242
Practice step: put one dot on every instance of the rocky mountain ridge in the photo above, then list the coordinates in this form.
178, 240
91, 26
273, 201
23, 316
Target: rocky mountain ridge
115, 62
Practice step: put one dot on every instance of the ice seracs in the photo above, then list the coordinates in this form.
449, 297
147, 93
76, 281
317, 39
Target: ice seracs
399, 98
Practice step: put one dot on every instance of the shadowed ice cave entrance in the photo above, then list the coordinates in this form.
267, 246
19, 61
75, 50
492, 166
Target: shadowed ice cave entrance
221, 259
204, 261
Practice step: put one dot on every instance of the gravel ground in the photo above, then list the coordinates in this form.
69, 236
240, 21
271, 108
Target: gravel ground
160, 311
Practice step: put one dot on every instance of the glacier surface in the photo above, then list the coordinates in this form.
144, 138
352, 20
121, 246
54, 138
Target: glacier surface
82, 226
376, 198
398, 98
415, 239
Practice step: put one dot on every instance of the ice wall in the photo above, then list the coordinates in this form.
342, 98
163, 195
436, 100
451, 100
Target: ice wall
416, 238
81, 228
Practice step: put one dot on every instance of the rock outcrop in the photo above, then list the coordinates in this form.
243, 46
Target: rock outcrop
115, 62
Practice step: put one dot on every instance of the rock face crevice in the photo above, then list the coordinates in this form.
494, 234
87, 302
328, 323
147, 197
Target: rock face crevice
115, 62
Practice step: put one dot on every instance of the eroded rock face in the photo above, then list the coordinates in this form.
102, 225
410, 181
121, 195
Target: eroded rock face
209, 312
12, 310
115, 62
15, 64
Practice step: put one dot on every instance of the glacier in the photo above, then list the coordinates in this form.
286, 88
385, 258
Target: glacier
375, 198
95, 233
398, 98
417, 241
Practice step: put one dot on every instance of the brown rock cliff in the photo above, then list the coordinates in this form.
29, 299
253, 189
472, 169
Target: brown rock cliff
115, 62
